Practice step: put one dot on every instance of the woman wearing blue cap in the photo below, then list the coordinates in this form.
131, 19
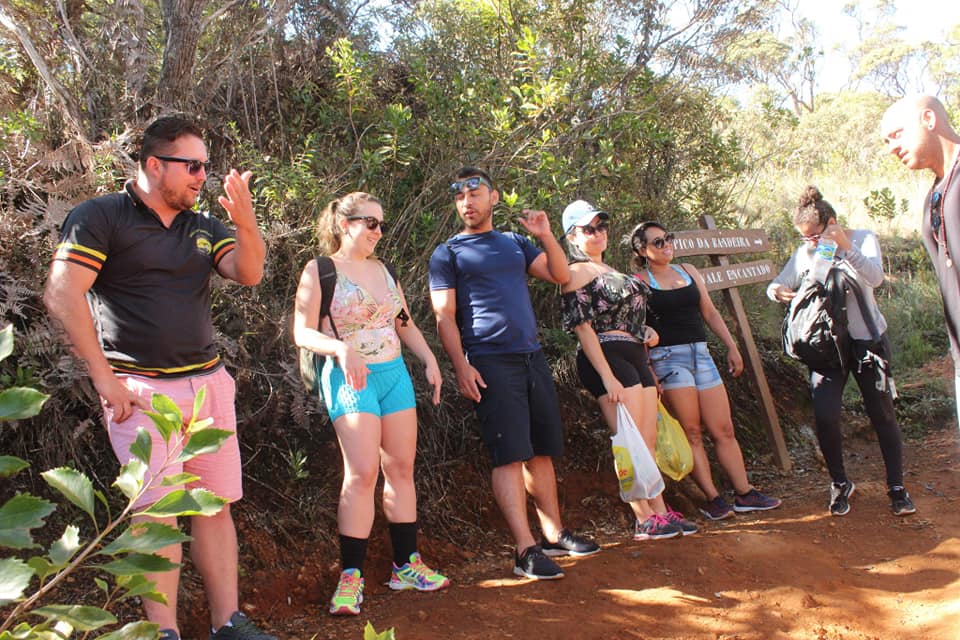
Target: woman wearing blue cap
606, 311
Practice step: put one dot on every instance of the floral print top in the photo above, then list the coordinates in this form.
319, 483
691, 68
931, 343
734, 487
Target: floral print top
612, 301
366, 324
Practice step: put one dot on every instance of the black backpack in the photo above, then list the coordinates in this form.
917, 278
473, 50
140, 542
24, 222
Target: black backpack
311, 362
815, 328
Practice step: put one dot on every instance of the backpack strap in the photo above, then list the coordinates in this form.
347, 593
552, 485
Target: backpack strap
327, 271
851, 283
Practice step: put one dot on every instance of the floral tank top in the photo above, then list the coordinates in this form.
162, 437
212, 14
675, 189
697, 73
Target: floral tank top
612, 301
366, 324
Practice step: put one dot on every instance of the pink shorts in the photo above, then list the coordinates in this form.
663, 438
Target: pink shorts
219, 471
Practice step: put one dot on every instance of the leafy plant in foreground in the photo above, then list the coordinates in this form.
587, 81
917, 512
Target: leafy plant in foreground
127, 557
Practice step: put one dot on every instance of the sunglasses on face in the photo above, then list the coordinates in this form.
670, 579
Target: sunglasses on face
370, 222
602, 227
814, 237
936, 217
193, 166
662, 241
472, 184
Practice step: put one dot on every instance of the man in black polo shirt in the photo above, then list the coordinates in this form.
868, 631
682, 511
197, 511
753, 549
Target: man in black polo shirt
144, 259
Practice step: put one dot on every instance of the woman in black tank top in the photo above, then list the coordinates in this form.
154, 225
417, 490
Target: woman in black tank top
679, 310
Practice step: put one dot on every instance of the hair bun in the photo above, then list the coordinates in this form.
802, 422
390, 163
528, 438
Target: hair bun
810, 195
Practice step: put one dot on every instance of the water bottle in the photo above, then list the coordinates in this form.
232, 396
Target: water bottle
823, 259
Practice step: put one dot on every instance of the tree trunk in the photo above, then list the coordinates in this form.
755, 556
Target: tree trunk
182, 20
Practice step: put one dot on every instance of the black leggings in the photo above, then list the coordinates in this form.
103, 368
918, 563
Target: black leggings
826, 386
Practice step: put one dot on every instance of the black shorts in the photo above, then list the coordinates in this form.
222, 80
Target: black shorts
519, 411
627, 359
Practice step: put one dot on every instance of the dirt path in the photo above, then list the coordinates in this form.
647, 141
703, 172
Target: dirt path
791, 573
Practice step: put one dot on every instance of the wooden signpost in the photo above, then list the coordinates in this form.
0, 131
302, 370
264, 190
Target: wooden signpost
724, 276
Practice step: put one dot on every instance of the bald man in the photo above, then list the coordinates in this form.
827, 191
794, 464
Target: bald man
917, 130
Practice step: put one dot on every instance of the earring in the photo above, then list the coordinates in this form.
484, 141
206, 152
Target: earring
930, 126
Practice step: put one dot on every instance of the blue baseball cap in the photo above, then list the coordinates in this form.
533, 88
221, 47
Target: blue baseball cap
579, 213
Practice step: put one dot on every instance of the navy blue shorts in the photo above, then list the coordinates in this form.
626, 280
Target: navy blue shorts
519, 411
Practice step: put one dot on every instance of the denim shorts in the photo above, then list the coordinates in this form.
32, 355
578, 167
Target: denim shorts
685, 365
389, 390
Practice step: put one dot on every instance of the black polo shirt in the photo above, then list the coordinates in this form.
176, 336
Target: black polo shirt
151, 299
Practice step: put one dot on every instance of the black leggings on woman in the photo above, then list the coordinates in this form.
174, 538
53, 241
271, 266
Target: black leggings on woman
871, 371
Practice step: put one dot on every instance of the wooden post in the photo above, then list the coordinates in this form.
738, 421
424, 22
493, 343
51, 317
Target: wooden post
752, 360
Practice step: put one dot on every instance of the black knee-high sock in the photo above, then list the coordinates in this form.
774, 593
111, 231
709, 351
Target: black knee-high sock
403, 536
353, 551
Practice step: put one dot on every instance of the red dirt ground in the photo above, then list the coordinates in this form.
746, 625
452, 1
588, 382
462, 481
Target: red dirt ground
792, 573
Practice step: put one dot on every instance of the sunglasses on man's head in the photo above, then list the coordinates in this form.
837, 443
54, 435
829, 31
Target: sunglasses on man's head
472, 184
370, 222
193, 166
662, 241
602, 227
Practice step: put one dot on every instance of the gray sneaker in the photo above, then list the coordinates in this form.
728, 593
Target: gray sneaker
569, 543
533, 563
240, 628
840, 497
900, 502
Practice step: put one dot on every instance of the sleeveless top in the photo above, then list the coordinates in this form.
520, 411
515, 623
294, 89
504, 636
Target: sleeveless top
612, 301
675, 313
366, 324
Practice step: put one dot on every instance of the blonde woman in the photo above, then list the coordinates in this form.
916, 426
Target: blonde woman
368, 392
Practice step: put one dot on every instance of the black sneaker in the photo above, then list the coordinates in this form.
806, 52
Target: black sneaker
840, 497
169, 634
569, 544
535, 564
900, 501
240, 628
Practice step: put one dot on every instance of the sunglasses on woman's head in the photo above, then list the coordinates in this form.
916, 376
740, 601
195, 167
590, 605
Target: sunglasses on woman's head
662, 241
193, 166
370, 222
589, 229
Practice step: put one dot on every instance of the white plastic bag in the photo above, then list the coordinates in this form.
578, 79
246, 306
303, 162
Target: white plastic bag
636, 469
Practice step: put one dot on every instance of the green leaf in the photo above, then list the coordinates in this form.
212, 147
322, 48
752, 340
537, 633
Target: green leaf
63, 549
17, 403
177, 479
10, 465
75, 486
130, 478
42, 567
144, 537
206, 441
141, 630
102, 585
80, 617
142, 446
138, 586
15, 576
6, 341
197, 405
195, 502
135, 563
18, 515
166, 415
200, 425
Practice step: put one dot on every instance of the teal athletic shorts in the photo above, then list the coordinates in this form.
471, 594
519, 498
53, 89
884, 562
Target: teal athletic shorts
389, 390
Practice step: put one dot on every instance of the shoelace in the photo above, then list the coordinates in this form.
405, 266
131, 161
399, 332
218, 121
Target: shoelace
349, 586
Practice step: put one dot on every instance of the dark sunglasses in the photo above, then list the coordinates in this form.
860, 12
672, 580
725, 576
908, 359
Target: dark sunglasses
936, 217
370, 222
602, 227
662, 241
472, 184
193, 166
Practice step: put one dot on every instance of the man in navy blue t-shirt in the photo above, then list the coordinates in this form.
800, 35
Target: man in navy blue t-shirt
478, 286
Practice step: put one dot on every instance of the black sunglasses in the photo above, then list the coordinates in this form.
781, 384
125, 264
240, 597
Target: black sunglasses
370, 222
662, 241
602, 227
936, 217
473, 183
193, 166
